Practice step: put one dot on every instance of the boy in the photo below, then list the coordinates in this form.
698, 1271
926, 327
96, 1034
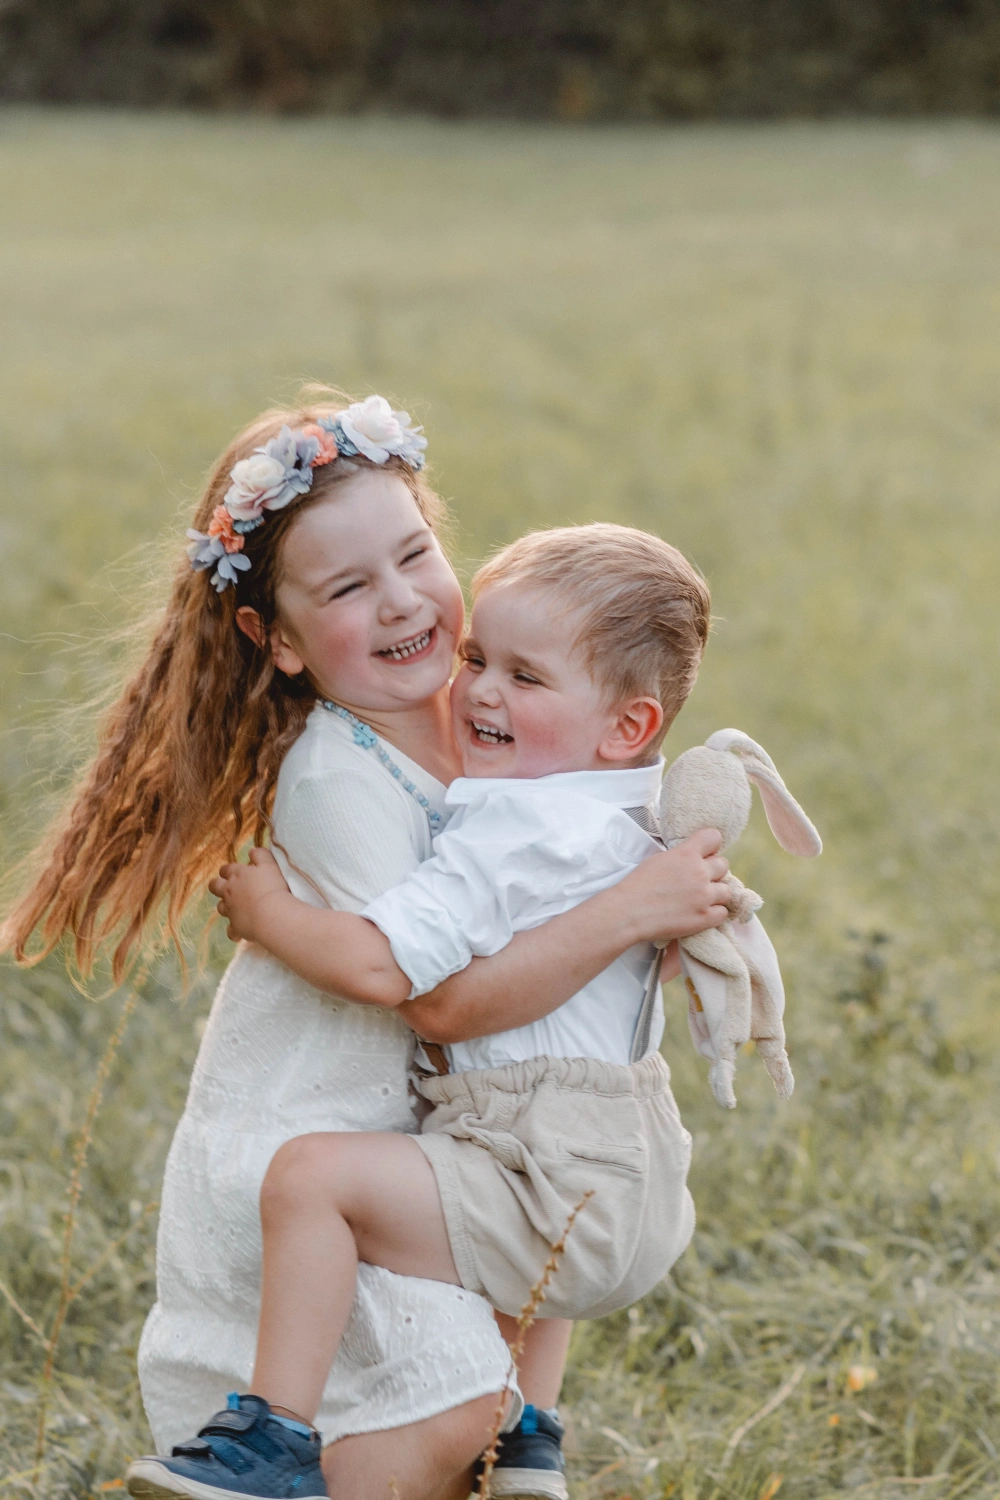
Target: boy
584, 644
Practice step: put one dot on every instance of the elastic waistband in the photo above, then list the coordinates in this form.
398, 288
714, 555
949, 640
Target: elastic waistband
589, 1075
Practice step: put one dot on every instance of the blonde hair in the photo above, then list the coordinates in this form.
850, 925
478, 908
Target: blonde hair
645, 610
189, 754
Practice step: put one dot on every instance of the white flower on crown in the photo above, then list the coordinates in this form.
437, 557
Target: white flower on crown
380, 433
272, 476
255, 480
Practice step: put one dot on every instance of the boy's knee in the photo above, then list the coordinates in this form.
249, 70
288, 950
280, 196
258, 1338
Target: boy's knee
294, 1170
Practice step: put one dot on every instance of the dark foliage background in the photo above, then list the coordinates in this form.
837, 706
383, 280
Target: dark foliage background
570, 59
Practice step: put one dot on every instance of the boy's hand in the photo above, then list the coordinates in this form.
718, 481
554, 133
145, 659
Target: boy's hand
251, 897
680, 890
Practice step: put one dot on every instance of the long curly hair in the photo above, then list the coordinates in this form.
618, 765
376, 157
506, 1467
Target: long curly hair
188, 756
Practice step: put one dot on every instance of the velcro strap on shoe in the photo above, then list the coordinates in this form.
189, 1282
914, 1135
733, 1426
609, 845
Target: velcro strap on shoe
262, 1443
193, 1448
231, 1454
229, 1421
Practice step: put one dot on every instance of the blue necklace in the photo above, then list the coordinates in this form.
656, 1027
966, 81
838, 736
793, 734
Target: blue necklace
369, 740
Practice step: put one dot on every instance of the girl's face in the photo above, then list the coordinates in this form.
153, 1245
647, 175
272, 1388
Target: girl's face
367, 603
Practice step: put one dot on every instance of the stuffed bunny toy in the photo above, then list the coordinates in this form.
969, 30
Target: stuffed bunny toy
731, 972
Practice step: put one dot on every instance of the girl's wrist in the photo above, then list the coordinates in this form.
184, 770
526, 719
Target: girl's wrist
271, 917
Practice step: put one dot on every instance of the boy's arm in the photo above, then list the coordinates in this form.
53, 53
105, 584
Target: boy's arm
669, 895
334, 950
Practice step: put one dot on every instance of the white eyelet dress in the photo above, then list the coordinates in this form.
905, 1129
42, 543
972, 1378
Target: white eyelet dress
281, 1059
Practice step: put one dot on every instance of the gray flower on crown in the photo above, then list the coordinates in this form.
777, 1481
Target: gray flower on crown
208, 551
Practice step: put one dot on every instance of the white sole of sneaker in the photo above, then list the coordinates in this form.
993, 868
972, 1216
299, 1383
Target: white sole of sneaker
528, 1484
145, 1479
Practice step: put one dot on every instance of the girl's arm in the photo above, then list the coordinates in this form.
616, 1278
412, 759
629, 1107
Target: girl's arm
336, 951
669, 895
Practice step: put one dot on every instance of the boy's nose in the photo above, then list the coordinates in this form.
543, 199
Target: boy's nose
484, 692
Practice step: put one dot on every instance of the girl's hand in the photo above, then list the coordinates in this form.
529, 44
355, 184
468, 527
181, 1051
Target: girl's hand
251, 897
678, 891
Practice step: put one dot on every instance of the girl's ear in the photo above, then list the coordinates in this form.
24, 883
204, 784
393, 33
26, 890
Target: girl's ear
251, 624
283, 652
636, 726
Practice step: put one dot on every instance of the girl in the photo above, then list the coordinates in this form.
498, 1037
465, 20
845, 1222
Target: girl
314, 577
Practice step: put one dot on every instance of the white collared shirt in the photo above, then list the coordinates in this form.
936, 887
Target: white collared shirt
516, 852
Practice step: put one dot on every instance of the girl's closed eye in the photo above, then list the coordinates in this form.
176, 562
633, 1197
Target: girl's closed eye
347, 588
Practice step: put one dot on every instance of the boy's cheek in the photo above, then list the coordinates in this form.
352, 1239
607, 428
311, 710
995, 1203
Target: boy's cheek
459, 692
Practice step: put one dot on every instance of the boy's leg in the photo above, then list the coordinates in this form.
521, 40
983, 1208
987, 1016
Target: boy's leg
530, 1460
328, 1201
543, 1360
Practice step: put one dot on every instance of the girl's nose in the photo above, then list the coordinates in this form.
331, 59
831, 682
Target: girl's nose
397, 600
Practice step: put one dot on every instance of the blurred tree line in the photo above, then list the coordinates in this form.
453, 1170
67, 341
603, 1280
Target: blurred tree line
536, 59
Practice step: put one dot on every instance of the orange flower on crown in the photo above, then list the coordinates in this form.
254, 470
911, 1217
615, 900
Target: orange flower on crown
328, 449
221, 525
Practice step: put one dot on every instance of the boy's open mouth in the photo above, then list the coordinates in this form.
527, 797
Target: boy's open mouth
488, 734
407, 650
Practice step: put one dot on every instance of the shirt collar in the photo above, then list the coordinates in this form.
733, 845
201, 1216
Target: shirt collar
636, 787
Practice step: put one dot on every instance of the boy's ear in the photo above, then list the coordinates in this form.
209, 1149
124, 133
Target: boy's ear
636, 726
283, 652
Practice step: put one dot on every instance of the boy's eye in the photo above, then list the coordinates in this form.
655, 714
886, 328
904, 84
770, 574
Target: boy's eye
474, 660
526, 677
348, 588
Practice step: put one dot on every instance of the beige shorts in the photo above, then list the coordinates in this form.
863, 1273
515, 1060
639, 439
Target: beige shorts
515, 1148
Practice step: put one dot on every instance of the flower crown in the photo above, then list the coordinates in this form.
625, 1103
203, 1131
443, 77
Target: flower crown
283, 468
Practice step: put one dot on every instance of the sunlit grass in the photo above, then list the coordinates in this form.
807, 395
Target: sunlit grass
779, 347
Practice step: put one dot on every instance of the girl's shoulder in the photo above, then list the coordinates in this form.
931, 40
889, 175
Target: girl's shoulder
342, 819
325, 753
325, 746
327, 757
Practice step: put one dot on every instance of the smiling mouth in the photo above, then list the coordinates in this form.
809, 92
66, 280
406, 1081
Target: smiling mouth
488, 734
404, 650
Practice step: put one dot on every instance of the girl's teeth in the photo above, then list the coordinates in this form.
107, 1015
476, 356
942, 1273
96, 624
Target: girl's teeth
410, 648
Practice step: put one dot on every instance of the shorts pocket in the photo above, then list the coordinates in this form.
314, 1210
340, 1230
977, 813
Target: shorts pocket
628, 1158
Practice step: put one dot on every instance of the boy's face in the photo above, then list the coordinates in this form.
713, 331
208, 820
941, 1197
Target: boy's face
523, 702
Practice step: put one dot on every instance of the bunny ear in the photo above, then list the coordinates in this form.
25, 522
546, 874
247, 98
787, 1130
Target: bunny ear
789, 824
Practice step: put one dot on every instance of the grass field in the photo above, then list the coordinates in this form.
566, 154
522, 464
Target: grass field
780, 347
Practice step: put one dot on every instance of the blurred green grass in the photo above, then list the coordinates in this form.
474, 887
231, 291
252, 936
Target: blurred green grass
777, 346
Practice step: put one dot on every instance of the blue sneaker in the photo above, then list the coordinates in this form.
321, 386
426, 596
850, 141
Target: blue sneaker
243, 1453
530, 1461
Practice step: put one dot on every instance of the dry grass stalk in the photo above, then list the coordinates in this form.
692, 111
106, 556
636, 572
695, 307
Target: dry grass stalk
783, 1392
68, 1289
26, 1318
525, 1319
